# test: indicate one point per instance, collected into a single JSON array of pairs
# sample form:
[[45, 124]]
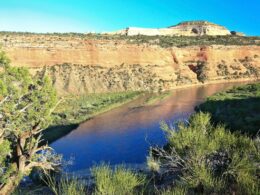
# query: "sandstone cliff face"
[[81, 66]]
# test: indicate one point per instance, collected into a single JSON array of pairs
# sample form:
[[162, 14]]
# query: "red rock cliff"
[[83, 66]]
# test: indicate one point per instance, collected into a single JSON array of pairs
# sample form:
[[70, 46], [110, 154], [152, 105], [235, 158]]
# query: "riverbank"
[[156, 97], [74, 110], [238, 108], [246, 80]]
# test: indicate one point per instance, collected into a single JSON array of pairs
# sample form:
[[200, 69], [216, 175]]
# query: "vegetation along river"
[[124, 135]]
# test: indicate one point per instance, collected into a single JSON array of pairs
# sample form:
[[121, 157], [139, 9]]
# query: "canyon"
[[86, 64]]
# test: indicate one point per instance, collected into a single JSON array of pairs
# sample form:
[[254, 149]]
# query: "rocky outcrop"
[[191, 28], [79, 65]]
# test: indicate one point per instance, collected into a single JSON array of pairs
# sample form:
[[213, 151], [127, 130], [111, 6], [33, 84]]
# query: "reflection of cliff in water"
[[181, 101], [124, 134]]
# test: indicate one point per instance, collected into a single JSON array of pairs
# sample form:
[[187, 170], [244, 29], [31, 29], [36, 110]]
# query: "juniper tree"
[[26, 104]]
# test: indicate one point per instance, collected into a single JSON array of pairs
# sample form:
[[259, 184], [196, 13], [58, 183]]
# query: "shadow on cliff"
[[240, 115]]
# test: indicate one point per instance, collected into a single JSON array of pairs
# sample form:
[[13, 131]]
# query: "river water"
[[124, 135]]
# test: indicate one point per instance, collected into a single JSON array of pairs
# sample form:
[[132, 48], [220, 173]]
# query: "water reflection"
[[123, 135]]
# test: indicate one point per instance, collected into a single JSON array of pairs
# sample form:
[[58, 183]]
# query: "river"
[[124, 135]]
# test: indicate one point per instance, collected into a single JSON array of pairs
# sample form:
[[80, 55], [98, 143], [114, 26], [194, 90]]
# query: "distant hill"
[[188, 28]]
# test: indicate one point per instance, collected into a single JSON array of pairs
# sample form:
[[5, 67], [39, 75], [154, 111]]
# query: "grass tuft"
[[117, 181]]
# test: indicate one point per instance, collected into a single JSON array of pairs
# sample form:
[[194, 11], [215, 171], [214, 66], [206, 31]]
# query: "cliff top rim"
[[196, 22]]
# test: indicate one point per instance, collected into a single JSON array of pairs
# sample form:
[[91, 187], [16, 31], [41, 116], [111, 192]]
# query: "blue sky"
[[110, 15]]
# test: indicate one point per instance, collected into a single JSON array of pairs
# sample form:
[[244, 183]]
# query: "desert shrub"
[[117, 181], [65, 185], [70, 187], [163, 41], [175, 191], [209, 159], [222, 70]]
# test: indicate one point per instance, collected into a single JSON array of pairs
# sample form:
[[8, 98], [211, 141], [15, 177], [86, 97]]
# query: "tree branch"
[[52, 110], [5, 99], [25, 108], [43, 165]]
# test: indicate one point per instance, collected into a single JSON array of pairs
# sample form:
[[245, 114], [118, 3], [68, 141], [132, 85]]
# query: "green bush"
[[210, 159], [119, 181]]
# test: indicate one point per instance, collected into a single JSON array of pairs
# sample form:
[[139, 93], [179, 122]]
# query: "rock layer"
[[81, 66]]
